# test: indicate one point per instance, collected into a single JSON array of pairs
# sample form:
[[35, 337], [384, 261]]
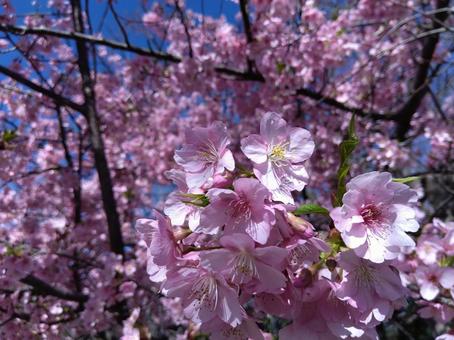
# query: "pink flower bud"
[[300, 225]]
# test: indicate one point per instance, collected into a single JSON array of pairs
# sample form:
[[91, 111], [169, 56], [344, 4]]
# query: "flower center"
[[244, 268], [205, 292], [371, 215], [364, 276], [433, 278], [208, 153], [239, 208], [278, 152]]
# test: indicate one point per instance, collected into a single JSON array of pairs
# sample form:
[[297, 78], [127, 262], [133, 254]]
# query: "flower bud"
[[300, 226], [222, 181]]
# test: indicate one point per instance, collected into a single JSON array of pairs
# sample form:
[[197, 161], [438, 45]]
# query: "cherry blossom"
[[375, 216], [244, 209], [205, 154], [277, 154]]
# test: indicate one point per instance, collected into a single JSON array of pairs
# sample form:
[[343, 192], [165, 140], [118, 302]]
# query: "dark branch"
[[81, 37], [43, 288], [40, 89], [240, 75], [185, 25], [421, 82], [338, 105], [120, 25], [246, 22], [101, 164], [76, 188]]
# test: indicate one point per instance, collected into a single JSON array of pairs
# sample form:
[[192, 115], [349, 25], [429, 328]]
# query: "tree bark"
[[102, 167]]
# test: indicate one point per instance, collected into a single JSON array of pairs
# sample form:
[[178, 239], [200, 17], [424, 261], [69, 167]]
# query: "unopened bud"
[[300, 225], [222, 181]]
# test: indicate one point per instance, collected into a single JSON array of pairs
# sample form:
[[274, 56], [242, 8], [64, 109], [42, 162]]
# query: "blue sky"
[[126, 8]]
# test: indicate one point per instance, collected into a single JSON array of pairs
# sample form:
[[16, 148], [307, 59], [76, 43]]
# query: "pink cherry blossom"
[[129, 332], [243, 209], [370, 287], [178, 206], [94, 106], [321, 315], [431, 279], [206, 295], [161, 245], [258, 268], [277, 154], [204, 154], [375, 216]]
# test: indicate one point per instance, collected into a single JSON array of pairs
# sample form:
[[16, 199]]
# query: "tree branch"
[[43, 288], [186, 29], [76, 188], [40, 89], [246, 22], [82, 37], [338, 105], [421, 84], [101, 164]]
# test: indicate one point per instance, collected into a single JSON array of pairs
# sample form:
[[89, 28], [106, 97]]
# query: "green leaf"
[[447, 261], [311, 208], [406, 179], [346, 148]]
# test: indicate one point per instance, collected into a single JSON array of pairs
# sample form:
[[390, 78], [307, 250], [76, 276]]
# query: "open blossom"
[[438, 311], [369, 287], [431, 279], [277, 154], [241, 210], [177, 207], [375, 216], [204, 154], [205, 295], [319, 314], [258, 268], [162, 248]]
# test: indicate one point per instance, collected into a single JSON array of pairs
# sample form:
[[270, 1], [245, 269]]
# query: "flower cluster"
[[428, 271], [232, 249]]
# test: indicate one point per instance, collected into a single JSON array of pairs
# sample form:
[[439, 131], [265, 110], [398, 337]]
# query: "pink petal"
[[272, 126], [237, 241], [255, 148], [429, 291], [447, 278]]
